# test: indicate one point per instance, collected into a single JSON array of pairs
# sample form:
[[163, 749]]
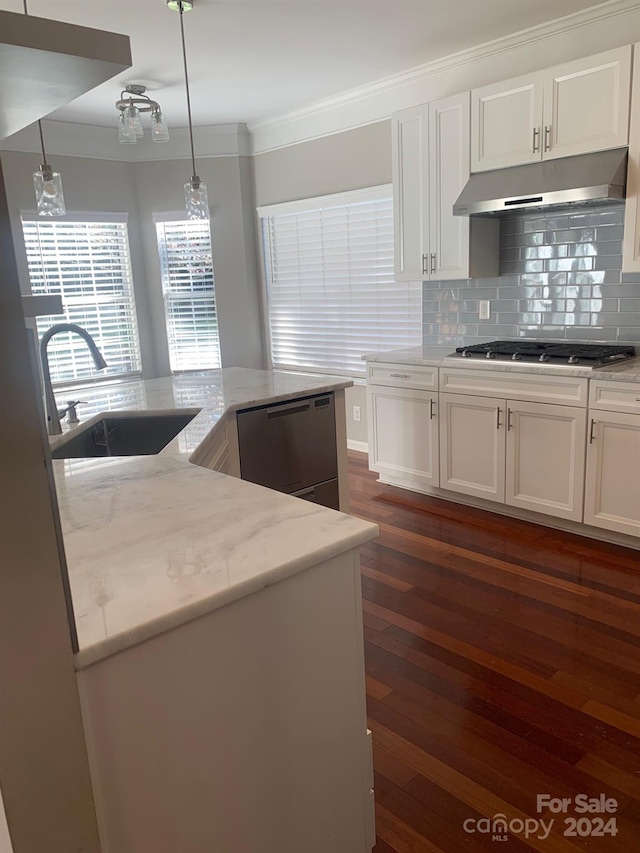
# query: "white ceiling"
[[249, 59]]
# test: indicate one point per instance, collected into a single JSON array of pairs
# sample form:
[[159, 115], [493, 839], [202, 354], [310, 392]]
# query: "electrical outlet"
[[484, 309], [356, 413]]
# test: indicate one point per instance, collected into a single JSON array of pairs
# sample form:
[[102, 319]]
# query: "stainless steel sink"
[[137, 435]]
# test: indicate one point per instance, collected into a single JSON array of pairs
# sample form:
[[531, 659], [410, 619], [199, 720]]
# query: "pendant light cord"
[[186, 82], [44, 154]]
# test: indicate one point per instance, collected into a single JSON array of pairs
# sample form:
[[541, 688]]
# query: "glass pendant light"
[[195, 190], [48, 187], [47, 182], [159, 129], [126, 134], [133, 120]]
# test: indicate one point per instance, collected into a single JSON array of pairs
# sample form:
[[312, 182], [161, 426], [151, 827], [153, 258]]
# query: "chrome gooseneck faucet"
[[51, 409]]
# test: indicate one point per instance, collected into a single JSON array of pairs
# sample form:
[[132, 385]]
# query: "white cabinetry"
[[472, 446], [527, 455], [612, 492], [506, 123], [430, 169], [574, 108], [403, 425], [545, 458]]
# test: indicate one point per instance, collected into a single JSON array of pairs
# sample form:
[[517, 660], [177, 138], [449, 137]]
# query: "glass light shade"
[[197, 199], [174, 5], [49, 195], [133, 120], [159, 129], [126, 134]]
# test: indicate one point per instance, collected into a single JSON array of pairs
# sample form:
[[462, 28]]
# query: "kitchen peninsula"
[[220, 659]]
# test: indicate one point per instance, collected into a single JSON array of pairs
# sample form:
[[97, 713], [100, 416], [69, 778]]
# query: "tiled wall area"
[[560, 278]]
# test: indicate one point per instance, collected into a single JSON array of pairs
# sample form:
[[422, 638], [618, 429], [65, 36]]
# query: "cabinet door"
[[506, 123], [449, 169], [411, 193], [472, 446], [586, 104], [545, 458], [403, 435], [612, 492]]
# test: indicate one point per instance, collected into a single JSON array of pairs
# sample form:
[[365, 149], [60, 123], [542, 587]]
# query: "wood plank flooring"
[[502, 662]]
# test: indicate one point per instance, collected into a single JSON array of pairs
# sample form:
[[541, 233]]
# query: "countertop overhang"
[[154, 542]]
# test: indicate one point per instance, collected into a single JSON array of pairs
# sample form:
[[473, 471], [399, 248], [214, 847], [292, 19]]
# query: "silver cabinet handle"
[[592, 437], [433, 262], [498, 413], [432, 409], [547, 137], [400, 375], [509, 424], [425, 262], [536, 140]]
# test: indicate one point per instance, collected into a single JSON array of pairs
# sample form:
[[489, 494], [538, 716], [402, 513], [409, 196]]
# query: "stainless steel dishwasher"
[[291, 447]]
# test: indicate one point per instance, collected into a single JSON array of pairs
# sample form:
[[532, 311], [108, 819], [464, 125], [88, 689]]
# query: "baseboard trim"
[[609, 536], [360, 446]]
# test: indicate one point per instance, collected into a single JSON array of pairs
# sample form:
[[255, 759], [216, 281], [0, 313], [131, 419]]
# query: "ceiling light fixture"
[[195, 190], [133, 101], [47, 182]]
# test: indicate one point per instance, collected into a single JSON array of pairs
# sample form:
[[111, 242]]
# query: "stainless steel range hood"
[[586, 179]]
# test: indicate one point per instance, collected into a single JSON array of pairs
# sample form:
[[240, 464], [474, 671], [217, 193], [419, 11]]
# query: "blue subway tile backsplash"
[[560, 278]]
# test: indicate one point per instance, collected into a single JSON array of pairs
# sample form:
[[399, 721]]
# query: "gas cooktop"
[[552, 353]]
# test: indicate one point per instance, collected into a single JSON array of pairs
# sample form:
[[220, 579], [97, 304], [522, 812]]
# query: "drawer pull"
[[400, 376]]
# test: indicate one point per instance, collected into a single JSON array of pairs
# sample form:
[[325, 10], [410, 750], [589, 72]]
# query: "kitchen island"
[[220, 659]]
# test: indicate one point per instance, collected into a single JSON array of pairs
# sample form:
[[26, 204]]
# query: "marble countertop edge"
[[125, 640]]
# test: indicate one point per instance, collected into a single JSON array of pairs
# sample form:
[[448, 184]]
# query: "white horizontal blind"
[[331, 291], [87, 263], [189, 294]]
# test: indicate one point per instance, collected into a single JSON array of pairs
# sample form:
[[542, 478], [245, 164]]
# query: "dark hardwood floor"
[[502, 663]]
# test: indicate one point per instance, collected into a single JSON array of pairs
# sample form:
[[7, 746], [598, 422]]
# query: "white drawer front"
[[614, 396], [515, 386], [402, 375]]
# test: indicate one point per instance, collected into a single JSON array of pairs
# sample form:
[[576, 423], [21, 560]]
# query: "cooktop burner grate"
[[567, 353]]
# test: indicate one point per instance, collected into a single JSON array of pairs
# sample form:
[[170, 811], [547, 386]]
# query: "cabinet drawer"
[[614, 396], [402, 375], [515, 386]]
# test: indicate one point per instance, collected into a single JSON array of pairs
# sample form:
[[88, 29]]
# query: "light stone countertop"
[[153, 542], [438, 356]]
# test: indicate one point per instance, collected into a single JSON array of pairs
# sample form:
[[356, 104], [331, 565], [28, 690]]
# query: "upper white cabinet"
[[573, 108], [506, 121], [431, 166], [410, 191]]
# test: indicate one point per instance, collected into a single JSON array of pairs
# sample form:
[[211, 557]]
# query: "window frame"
[[365, 194], [160, 218], [98, 217]]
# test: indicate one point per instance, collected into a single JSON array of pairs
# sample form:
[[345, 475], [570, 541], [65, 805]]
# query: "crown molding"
[[84, 140], [376, 101]]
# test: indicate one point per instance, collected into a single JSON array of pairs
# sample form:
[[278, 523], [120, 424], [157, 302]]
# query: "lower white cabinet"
[[545, 458], [612, 492], [403, 435], [527, 455], [472, 457]]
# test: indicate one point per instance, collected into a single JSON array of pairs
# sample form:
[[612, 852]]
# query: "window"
[[331, 291], [85, 261], [189, 294]]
